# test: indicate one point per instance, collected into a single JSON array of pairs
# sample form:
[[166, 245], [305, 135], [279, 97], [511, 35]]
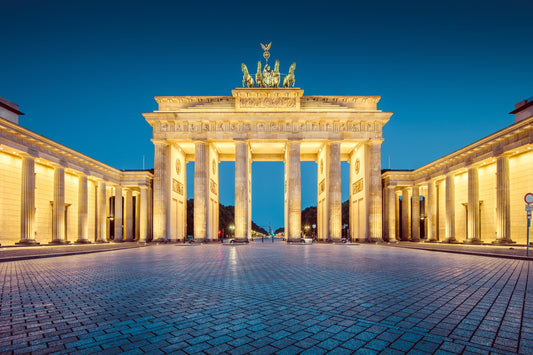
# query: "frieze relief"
[[177, 187], [268, 126], [357, 186], [213, 187]]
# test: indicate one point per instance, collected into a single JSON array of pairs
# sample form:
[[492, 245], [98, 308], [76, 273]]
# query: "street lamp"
[[231, 228], [306, 231]]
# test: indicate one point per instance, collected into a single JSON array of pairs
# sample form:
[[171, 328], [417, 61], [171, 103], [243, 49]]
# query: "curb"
[[42, 256], [466, 252]]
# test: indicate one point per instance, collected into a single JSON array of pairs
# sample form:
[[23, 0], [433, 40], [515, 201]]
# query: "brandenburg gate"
[[267, 123]]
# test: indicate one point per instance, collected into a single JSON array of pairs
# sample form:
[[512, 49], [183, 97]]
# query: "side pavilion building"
[[267, 124], [473, 195]]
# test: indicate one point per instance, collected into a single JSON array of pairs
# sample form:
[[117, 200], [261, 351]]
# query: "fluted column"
[[118, 215], [241, 191], [503, 201], [450, 208], [334, 192], [391, 211], [432, 212], [143, 214], [161, 192], [294, 192], [58, 218], [83, 210], [27, 210], [415, 214], [406, 215], [201, 191], [473, 206], [101, 213], [375, 203], [128, 216]]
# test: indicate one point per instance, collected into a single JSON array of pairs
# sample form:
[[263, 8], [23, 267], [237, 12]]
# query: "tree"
[[226, 218]]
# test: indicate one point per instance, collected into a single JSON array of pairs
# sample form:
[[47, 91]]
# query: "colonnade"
[[442, 207], [123, 216]]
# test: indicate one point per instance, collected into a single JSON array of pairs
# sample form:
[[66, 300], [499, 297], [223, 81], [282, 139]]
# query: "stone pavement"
[[266, 298]]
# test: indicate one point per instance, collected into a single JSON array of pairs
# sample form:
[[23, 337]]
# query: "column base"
[[415, 240], [393, 241], [432, 241], [160, 240], [374, 240], [451, 240], [473, 241], [101, 242], [504, 242], [240, 241], [83, 241], [295, 241], [59, 242], [27, 242]]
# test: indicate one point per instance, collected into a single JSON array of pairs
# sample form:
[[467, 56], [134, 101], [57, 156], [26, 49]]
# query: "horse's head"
[[276, 66], [293, 66]]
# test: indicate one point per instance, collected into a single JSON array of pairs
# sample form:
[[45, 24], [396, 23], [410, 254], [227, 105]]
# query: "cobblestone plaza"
[[266, 298]]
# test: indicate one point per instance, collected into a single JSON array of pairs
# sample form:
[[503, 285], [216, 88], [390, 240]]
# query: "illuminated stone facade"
[[473, 195], [52, 194], [258, 124]]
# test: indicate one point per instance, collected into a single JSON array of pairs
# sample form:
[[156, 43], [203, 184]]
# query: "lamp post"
[[306, 231], [231, 228]]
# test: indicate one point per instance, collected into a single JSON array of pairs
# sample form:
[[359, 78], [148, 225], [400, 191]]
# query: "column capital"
[[375, 141], [160, 142]]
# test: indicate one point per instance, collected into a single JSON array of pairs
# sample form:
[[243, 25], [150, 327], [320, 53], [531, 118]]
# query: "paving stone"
[[196, 302]]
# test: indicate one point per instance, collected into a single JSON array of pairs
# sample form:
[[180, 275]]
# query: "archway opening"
[[268, 196]]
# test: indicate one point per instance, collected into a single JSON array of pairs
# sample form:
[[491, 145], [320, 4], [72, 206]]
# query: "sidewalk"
[[13, 253], [518, 252]]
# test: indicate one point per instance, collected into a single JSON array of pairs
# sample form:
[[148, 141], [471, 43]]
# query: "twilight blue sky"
[[84, 71]]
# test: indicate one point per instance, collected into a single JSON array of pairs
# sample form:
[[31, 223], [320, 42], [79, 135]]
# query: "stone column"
[[118, 214], [450, 209], [241, 192], [503, 201], [375, 203], [161, 191], [294, 192], [101, 213], [27, 210], [391, 211], [406, 215], [128, 216], [58, 218], [473, 207], [432, 212], [334, 192], [83, 210], [143, 214], [137, 212], [201, 192], [415, 214]]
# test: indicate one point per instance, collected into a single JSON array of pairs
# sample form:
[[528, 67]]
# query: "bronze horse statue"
[[247, 80], [289, 79]]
